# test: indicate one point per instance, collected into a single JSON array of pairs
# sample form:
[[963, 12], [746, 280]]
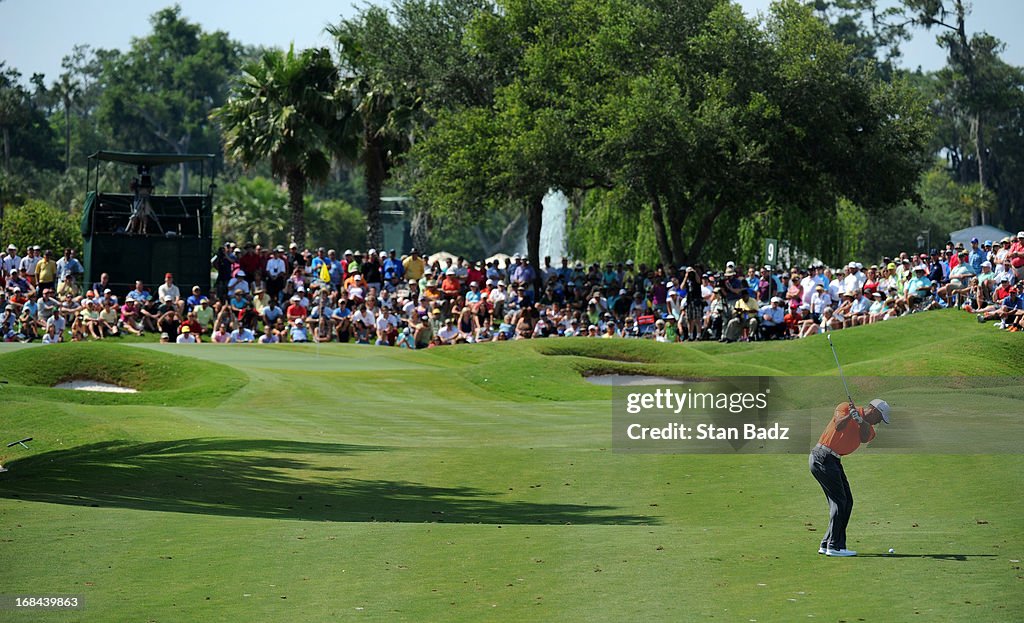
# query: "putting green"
[[479, 483]]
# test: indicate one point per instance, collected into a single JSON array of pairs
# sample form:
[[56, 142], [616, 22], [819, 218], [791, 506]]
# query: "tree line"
[[682, 132]]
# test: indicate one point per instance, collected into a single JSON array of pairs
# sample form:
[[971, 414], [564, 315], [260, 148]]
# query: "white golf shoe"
[[822, 550], [840, 552]]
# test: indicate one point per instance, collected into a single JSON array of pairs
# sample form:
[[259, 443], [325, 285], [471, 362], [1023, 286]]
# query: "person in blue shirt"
[[298, 332], [1012, 311], [241, 335], [392, 267], [976, 256], [193, 301], [919, 287]]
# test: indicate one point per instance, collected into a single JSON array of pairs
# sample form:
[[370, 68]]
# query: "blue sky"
[[38, 33]]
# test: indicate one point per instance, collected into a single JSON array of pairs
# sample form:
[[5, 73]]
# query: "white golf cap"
[[883, 408], [776, 299]]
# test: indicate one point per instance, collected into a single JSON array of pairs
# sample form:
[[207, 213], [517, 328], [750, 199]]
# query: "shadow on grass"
[[266, 479], [959, 557]]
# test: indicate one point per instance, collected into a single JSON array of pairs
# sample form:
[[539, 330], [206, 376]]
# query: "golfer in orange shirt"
[[849, 428]]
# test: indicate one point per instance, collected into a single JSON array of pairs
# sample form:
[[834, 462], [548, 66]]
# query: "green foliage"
[[608, 227], [37, 222], [283, 110], [27, 142], [256, 210], [158, 95], [692, 107], [251, 210], [334, 224]]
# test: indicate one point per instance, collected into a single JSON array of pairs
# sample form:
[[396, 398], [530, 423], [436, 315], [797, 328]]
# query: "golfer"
[[849, 428]]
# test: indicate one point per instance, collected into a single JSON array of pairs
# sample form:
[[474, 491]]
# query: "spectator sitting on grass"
[[186, 336], [773, 319], [241, 335], [109, 318], [878, 309], [168, 325], [139, 294], [271, 313], [222, 334], [918, 288], [298, 333], [271, 336], [204, 313], [68, 286], [131, 318], [860, 306], [51, 336], [744, 318], [194, 326], [17, 285], [91, 320], [1007, 310], [193, 300]]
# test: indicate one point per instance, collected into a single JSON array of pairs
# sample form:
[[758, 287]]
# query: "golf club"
[[841, 375], [20, 441]]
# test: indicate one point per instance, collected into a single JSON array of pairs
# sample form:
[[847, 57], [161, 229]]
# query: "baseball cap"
[[974, 241], [186, 329], [1020, 234], [168, 275], [776, 299], [883, 408]]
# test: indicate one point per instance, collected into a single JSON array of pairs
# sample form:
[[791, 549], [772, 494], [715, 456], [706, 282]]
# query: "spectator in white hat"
[[772, 316]]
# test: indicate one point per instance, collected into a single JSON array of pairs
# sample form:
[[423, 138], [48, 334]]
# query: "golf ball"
[[892, 551]]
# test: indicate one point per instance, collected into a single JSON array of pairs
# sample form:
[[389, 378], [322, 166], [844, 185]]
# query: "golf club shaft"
[[838, 365]]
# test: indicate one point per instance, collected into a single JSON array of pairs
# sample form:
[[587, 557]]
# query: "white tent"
[[981, 232], [441, 256], [500, 257]]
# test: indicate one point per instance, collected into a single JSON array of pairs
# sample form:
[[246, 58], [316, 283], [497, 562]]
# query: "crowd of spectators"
[[276, 295]]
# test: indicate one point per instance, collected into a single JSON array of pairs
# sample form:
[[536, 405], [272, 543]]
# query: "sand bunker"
[[89, 385], [631, 379]]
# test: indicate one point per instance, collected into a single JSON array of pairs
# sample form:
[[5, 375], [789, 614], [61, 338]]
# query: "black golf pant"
[[828, 471]]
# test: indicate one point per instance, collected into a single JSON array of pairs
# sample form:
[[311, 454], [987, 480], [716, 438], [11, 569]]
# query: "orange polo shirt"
[[844, 441]]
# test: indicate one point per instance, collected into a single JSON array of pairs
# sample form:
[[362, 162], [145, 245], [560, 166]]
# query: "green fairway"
[[478, 483]]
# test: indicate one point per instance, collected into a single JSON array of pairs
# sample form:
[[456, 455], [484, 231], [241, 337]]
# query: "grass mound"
[[158, 377]]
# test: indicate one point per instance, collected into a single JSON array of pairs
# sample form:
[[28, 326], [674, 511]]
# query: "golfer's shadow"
[[958, 557]]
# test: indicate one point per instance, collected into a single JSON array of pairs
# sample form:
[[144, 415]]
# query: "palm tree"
[[284, 110], [378, 114]]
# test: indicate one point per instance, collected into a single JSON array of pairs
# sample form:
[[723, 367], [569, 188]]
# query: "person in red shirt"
[[296, 310], [249, 262], [476, 273], [451, 286], [1016, 255], [848, 429]]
